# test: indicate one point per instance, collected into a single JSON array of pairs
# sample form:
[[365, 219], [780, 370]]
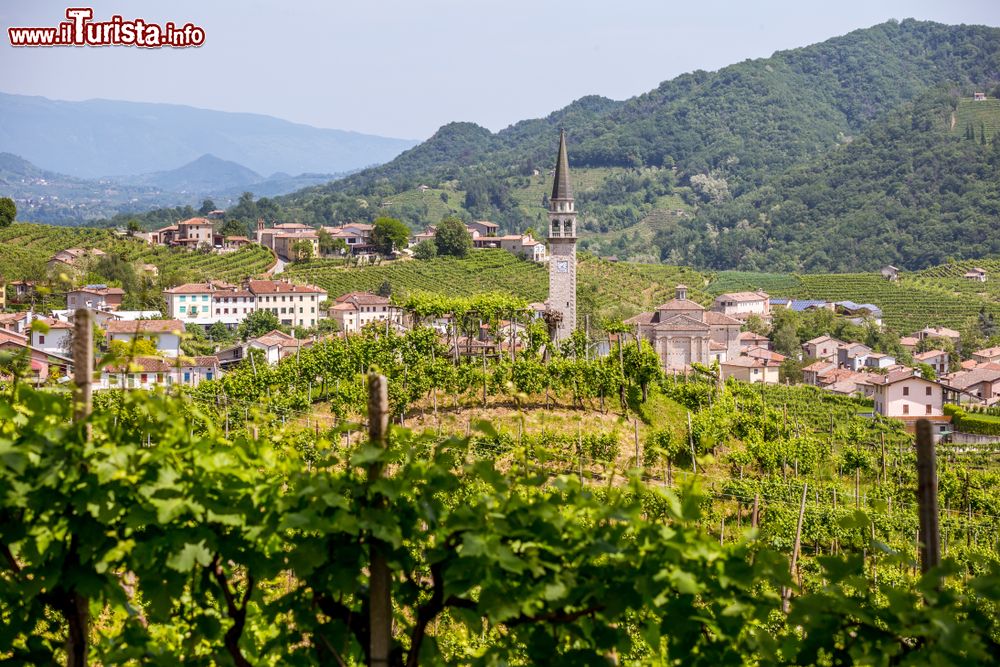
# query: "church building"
[[682, 332]]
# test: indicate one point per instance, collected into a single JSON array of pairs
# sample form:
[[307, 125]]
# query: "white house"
[[742, 304], [355, 310], [823, 347], [906, 396], [936, 359], [165, 334], [153, 372], [56, 340], [295, 305], [751, 369], [95, 297]]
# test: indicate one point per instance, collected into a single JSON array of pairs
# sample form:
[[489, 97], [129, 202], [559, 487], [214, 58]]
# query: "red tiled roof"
[[282, 287], [362, 299], [143, 326]]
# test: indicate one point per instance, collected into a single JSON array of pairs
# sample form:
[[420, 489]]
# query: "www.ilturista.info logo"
[[80, 30]]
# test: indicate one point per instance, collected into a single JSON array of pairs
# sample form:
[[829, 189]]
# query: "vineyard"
[[604, 289], [25, 249], [978, 115], [252, 517], [931, 297]]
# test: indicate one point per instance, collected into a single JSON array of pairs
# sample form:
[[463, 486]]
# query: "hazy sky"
[[404, 67]]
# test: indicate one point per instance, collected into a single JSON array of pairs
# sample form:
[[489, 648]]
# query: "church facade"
[[683, 332], [561, 304]]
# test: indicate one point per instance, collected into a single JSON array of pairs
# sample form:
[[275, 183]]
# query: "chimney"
[[682, 292]]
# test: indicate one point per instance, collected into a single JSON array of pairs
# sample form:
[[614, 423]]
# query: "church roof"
[[681, 323], [680, 304], [561, 188]]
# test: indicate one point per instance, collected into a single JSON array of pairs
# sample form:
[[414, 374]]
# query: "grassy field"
[[982, 115]]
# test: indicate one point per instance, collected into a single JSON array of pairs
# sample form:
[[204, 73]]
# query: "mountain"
[[745, 120], [688, 170], [206, 174], [909, 191], [99, 138], [50, 197]]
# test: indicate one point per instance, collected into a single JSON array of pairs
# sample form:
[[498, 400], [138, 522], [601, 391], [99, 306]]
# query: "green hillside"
[[25, 248], [932, 297], [980, 117]]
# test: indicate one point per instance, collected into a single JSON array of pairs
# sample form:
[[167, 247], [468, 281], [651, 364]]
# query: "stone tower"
[[562, 249]]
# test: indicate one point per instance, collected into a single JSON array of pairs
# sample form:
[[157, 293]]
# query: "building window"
[[906, 391], [41, 339], [143, 378], [928, 409], [187, 376], [906, 409], [183, 309], [928, 391], [183, 298], [204, 309]]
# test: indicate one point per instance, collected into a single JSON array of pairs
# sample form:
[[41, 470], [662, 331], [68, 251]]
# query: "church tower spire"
[[562, 248]]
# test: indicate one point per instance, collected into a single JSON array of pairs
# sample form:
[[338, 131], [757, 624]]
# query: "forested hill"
[[745, 121], [912, 191]]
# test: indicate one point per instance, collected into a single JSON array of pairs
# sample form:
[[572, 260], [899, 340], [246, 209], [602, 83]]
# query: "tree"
[[388, 234], [302, 250], [133, 227], [426, 249], [207, 207], [219, 333], [385, 289], [257, 323], [233, 227], [8, 211], [329, 245], [755, 323], [784, 332], [453, 238], [130, 349]]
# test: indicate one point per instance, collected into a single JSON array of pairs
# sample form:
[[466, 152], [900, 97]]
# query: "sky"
[[403, 68]]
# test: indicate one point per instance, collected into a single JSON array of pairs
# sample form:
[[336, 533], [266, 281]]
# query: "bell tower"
[[562, 249]]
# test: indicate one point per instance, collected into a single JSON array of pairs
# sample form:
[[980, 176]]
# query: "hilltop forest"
[[796, 161]]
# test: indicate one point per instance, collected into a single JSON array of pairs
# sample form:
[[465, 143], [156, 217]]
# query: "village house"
[[71, 259], [989, 355], [763, 353], [41, 365], [357, 236], [909, 343], [53, 337], [355, 310], [484, 227], [979, 97], [517, 244], [936, 359], [165, 334], [14, 322], [879, 361], [22, 291], [153, 372], [95, 297], [295, 305], [750, 369], [890, 272], [192, 302], [750, 339], [195, 232], [741, 305], [681, 331], [939, 332], [232, 304], [978, 385], [853, 356], [232, 243], [906, 396], [823, 347], [976, 274], [859, 313], [281, 237], [274, 346]]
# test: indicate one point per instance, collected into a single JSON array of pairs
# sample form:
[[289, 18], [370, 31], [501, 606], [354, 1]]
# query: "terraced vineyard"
[[776, 284], [25, 248], [605, 289], [981, 115]]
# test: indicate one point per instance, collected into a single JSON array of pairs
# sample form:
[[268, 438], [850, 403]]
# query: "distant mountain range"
[[102, 138], [47, 196]]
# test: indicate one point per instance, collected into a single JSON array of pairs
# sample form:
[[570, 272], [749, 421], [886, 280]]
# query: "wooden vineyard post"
[[927, 497], [77, 607], [635, 428], [380, 585], [787, 592], [694, 462], [755, 515]]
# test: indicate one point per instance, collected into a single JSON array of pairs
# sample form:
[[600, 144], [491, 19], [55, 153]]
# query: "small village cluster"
[[685, 335]]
